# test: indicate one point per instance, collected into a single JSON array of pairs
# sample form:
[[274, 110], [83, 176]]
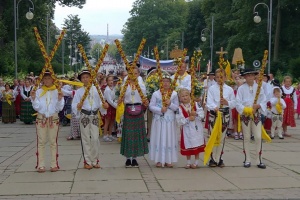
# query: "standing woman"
[[298, 100], [26, 105], [134, 137], [8, 105]]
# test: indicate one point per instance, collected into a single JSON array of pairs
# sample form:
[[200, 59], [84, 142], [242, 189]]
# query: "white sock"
[[188, 162], [196, 162]]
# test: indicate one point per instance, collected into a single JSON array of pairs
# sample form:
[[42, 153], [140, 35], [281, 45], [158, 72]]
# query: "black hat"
[[249, 71], [150, 70], [137, 64], [116, 79], [211, 73], [47, 72], [268, 77], [275, 82], [84, 71]]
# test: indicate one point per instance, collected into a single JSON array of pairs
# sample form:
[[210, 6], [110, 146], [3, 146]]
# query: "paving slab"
[[199, 184], [250, 183], [284, 158], [35, 188], [108, 174], [110, 186], [34, 177]]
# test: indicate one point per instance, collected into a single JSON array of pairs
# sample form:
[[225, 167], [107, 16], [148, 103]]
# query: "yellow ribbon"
[[278, 107], [100, 123], [215, 137], [120, 112], [7, 98], [46, 89], [183, 76], [239, 128], [75, 83], [248, 112]]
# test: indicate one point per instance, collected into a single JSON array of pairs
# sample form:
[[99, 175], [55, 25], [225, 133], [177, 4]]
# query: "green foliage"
[[96, 51]]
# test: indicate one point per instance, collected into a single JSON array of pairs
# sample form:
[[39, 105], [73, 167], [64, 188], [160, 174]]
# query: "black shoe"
[[272, 137], [252, 137], [148, 140], [134, 163], [247, 164], [281, 138], [221, 164], [212, 163], [262, 166], [128, 163]]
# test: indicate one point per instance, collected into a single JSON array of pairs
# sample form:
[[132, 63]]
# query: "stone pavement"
[[18, 179]]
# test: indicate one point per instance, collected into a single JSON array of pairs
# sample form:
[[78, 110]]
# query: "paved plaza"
[[19, 180]]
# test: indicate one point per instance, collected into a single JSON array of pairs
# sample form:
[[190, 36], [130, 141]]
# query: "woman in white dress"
[[163, 141]]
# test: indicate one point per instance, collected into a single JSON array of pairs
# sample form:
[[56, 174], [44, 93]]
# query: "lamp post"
[[211, 39], [70, 47], [152, 53], [257, 19], [29, 16], [76, 50]]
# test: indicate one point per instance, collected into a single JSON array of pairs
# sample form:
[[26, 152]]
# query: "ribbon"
[[7, 98], [214, 139], [120, 112], [75, 83], [46, 89]]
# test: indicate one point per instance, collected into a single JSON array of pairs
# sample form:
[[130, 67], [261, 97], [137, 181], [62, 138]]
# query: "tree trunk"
[[277, 33]]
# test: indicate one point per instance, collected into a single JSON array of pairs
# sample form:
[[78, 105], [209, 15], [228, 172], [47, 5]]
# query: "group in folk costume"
[[26, 106]]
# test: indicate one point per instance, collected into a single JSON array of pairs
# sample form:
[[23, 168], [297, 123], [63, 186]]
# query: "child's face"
[[85, 79], [166, 83], [288, 82], [48, 81], [185, 97], [110, 81], [277, 93]]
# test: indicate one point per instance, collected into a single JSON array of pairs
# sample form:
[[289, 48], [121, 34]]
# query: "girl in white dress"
[[163, 141], [192, 140]]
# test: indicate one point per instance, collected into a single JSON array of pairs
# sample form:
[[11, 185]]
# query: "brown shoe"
[[96, 166], [87, 166], [41, 169], [53, 169]]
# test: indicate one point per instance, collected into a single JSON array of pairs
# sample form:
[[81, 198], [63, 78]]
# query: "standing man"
[[251, 115], [47, 101]]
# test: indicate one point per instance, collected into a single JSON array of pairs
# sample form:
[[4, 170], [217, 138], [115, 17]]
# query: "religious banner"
[[166, 65]]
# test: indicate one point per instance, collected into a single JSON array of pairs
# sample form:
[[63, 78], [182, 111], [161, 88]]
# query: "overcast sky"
[[96, 14]]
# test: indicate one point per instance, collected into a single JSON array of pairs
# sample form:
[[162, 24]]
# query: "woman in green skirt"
[[26, 105], [134, 138], [8, 105]]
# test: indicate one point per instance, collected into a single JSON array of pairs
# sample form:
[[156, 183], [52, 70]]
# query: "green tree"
[[96, 51]]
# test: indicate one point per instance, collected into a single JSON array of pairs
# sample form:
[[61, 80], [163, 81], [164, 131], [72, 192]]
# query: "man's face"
[[249, 78], [99, 76], [183, 68], [48, 81], [85, 79], [271, 76], [16, 82]]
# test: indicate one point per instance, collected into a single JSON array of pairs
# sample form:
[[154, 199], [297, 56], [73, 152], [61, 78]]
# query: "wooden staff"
[[159, 72], [193, 80], [261, 74], [131, 76], [48, 58], [221, 61], [93, 72], [173, 85]]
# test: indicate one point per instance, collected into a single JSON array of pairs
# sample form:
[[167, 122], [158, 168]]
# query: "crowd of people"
[[176, 121]]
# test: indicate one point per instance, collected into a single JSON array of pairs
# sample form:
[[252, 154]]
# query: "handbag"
[[134, 109]]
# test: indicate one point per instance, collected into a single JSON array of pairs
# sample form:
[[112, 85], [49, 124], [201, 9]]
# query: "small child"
[[290, 98], [109, 95], [190, 117], [278, 105]]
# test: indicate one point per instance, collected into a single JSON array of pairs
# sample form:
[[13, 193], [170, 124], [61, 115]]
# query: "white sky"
[[96, 14]]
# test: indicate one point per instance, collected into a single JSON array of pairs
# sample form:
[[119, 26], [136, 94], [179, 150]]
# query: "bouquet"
[[198, 88], [152, 85]]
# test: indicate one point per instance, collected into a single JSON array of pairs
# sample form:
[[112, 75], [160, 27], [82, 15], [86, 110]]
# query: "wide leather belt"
[[91, 112]]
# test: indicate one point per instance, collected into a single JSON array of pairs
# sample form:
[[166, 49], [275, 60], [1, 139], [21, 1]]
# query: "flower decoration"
[[198, 88], [152, 85]]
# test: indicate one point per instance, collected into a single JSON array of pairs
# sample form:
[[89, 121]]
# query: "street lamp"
[[257, 19], [152, 53], [29, 16], [211, 39], [70, 47]]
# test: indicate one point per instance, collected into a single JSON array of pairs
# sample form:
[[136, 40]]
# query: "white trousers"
[[47, 128], [276, 123], [217, 151], [252, 126], [89, 128]]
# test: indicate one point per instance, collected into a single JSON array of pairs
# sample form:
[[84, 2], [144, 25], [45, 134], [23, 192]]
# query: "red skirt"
[[191, 151], [234, 115], [288, 115], [268, 121], [111, 113], [206, 121]]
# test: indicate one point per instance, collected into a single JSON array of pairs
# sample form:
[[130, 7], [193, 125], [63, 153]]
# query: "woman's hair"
[[6, 85]]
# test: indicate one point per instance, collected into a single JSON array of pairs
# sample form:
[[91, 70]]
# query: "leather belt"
[[133, 104], [91, 112]]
